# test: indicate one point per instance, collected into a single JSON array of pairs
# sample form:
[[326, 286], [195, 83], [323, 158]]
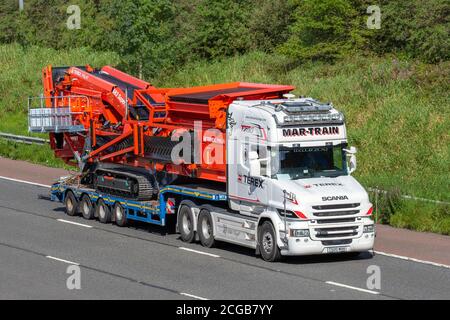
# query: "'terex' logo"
[[256, 182]]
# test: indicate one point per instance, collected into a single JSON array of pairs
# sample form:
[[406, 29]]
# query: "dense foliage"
[[155, 35]]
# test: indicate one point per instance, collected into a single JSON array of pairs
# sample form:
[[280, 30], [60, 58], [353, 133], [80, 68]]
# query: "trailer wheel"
[[71, 203], [103, 212], [86, 207], [186, 224], [268, 242], [119, 215], [205, 228]]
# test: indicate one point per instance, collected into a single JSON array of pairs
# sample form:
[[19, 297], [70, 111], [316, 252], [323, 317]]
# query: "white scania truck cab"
[[289, 187]]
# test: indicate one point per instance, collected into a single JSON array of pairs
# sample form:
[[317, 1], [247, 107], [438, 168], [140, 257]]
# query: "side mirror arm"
[[352, 162]]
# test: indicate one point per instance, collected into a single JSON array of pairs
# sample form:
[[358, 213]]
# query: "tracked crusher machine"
[[119, 129]]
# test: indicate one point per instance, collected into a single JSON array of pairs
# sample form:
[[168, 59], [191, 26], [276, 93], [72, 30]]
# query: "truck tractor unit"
[[243, 163]]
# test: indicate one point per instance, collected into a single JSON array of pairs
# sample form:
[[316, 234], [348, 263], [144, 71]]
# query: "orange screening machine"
[[105, 116]]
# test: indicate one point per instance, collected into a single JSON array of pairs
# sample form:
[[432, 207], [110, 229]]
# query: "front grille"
[[336, 229], [335, 213], [336, 242], [340, 235], [336, 206], [336, 232], [335, 222], [342, 220]]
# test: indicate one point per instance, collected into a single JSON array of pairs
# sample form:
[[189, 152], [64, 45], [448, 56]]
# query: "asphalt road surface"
[[38, 243]]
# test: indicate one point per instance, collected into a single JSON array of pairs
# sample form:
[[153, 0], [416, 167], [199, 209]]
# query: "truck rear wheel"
[[186, 224], [71, 203], [120, 216], [86, 207], [103, 212], [205, 228], [268, 242]]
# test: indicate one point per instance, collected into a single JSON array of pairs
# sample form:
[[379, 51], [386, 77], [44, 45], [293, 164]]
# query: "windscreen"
[[307, 162]]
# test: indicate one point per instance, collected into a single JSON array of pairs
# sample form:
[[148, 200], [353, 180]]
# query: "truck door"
[[248, 137]]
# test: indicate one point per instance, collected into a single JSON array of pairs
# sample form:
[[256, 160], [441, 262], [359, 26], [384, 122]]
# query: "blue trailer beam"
[[143, 211]]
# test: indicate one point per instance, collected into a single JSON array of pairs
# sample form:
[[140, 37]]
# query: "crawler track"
[[124, 183]]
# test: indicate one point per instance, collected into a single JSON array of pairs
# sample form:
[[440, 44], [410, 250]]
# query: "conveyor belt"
[[205, 96], [137, 111], [124, 86]]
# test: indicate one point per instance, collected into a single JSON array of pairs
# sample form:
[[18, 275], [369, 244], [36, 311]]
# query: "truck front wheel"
[[186, 224], [268, 242]]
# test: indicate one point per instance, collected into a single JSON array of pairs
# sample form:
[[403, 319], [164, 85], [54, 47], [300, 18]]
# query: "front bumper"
[[306, 246], [313, 246]]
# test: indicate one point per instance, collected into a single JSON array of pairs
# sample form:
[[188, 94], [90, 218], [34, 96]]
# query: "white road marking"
[[412, 259], [200, 252], [351, 287], [192, 296], [75, 223], [27, 182], [62, 260]]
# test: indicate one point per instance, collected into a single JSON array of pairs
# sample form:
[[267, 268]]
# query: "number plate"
[[337, 249]]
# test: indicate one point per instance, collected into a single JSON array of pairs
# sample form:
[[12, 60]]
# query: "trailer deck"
[[153, 211]]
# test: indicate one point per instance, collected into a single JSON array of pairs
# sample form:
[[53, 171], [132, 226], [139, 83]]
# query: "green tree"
[[324, 29], [215, 28], [36, 24], [44, 23], [419, 28], [9, 14], [95, 24], [269, 23], [139, 31]]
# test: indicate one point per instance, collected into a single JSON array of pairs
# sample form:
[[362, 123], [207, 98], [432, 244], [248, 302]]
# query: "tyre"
[[120, 216], [205, 228], [186, 224], [268, 242], [86, 207], [102, 211], [71, 203]]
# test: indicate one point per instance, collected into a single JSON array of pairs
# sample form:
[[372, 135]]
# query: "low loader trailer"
[[244, 163]]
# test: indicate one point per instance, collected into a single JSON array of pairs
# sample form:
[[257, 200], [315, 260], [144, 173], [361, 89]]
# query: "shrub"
[[420, 28], [324, 30], [215, 28], [386, 204], [269, 23]]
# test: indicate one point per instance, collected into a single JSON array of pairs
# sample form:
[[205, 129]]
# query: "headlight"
[[289, 214], [369, 228], [299, 233], [292, 214]]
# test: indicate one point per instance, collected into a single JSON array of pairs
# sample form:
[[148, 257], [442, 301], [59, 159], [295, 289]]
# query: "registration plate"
[[337, 249]]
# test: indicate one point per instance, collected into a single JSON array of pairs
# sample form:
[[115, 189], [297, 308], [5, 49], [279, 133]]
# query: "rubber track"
[[145, 188]]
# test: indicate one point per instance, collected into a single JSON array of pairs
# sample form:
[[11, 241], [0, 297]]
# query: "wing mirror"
[[352, 161]]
